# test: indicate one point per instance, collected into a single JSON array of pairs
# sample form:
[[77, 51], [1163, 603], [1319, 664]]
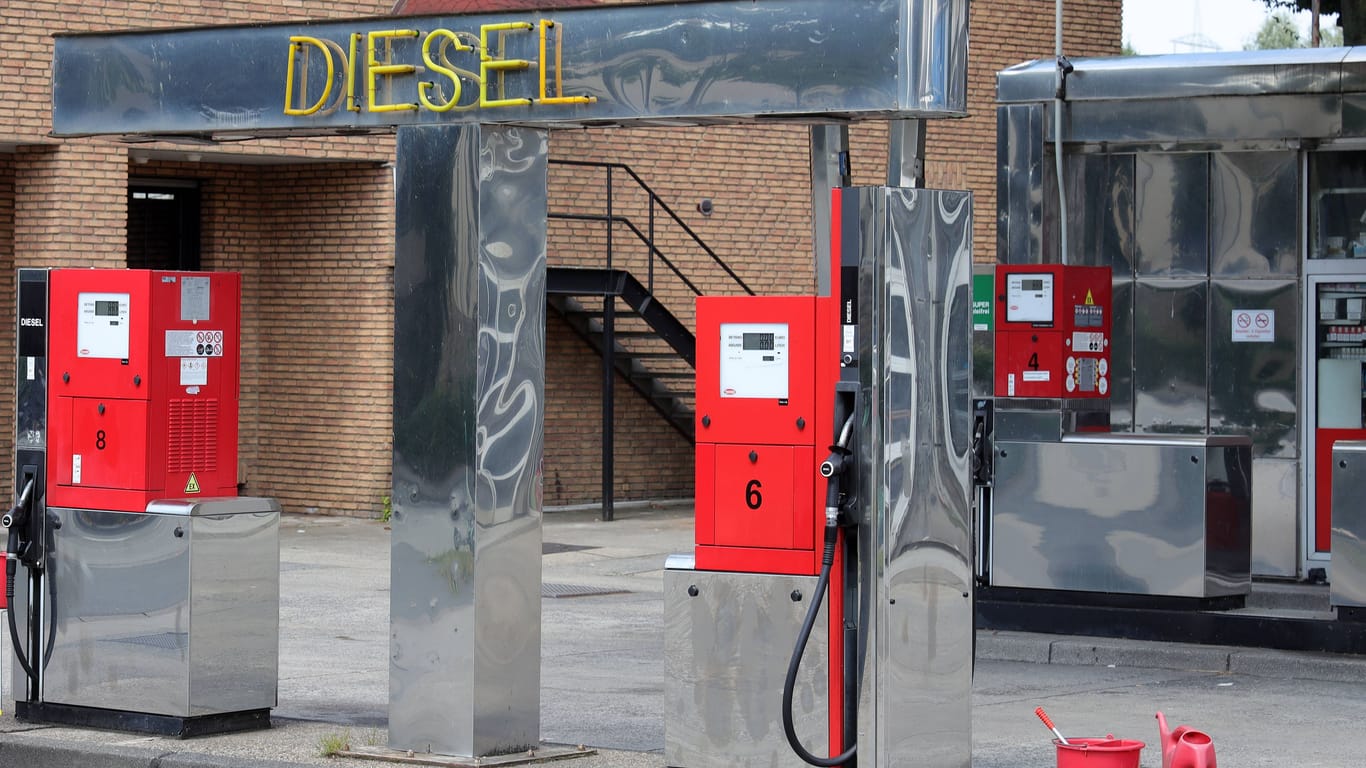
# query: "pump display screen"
[[754, 360], [102, 325], [759, 341], [1029, 298]]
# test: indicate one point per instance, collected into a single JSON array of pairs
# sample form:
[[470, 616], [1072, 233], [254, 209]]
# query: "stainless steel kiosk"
[[1225, 192]]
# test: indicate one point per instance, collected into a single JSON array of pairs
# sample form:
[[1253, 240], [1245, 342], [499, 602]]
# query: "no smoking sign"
[[1254, 325]]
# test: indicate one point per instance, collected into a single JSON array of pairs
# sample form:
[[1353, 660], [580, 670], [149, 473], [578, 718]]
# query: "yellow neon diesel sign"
[[396, 70]]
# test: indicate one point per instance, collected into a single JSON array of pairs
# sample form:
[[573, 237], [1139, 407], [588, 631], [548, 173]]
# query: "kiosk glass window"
[[1337, 205]]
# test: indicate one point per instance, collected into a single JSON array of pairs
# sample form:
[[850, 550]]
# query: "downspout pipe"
[[1059, 95]]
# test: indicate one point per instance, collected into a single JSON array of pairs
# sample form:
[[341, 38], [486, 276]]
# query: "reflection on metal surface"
[[1100, 192], [1231, 119], [166, 614], [915, 251], [691, 62], [1254, 221], [1122, 356], [1349, 524], [1171, 214], [726, 650], [1182, 76], [1275, 522], [469, 337], [1171, 393], [1139, 514], [1019, 171], [1253, 386]]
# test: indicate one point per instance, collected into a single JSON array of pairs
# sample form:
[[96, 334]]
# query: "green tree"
[[1127, 50], [1351, 15], [1278, 31]]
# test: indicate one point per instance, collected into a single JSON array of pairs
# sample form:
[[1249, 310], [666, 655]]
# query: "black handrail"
[[648, 240]]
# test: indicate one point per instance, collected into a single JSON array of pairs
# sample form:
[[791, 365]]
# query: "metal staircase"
[[622, 318], [651, 348]]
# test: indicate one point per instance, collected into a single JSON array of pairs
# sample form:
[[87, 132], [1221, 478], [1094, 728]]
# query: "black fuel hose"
[[832, 469], [790, 682], [11, 567], [14, 521]]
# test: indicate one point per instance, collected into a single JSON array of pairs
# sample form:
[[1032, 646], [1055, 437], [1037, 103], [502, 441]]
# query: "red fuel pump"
[[768, 425], [125, 445], [144, 387], [1052, 331]]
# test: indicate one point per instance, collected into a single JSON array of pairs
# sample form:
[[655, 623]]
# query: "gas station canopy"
[[683, 63]]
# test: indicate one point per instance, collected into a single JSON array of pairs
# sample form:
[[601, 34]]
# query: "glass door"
[[1336, 350]]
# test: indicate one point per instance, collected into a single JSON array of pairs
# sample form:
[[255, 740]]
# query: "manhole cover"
[[577, 590]]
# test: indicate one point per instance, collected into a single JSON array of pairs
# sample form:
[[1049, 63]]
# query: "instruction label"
[[194, 371]]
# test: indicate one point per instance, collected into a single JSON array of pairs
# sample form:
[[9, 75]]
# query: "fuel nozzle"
[[18, 514], [834, 469]]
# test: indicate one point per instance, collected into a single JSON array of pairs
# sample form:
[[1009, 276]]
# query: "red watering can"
[[1185, 747]]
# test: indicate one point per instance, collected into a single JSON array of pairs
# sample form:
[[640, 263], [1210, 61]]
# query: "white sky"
[[1156, 26]]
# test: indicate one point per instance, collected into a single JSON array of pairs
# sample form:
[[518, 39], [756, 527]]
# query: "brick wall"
[[326, 361], [27, 27], [6, 337]]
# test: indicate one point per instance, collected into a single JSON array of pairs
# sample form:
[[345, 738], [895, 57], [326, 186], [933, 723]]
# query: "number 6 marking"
[[753, 499]]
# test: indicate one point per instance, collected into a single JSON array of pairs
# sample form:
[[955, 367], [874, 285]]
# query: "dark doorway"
[[163, 225]]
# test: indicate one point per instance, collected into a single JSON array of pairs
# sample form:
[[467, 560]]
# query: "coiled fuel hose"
[[832, 469]]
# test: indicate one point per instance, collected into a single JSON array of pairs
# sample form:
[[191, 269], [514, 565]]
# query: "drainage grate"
[[577, 590], [555, 548], [166, 641]]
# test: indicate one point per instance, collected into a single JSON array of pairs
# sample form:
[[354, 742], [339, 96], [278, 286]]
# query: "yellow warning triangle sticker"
[[1089, 300], [193, 485]]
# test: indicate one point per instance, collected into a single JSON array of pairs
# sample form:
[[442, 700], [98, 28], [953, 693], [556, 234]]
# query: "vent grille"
[[193, 439]]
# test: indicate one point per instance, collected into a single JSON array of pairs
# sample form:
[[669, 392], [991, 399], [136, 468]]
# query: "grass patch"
[[330, 744]]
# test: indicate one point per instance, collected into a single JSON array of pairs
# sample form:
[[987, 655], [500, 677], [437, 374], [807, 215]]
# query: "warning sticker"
[[193, 485], [194, 371], [1034, 376], [194, 343]]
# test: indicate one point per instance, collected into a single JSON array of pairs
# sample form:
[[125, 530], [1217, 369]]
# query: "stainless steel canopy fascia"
[[703, 62], [1241, 73]]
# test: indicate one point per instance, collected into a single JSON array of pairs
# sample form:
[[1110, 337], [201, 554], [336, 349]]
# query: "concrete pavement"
[[602, 670]]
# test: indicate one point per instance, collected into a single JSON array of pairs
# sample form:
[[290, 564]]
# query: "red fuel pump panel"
[[1053, 327], [143, 387], [759, 422]]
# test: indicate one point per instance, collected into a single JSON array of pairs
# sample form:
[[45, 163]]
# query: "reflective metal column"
[[469, 359], [915, 251]]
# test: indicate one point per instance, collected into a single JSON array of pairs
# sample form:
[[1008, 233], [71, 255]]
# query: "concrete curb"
[[1098, 651], [55, 753]]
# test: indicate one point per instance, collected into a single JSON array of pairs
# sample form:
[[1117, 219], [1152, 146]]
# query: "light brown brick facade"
[[309, 223]]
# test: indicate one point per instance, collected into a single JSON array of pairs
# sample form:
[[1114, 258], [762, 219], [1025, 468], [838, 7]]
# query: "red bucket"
[[1108, 752]]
